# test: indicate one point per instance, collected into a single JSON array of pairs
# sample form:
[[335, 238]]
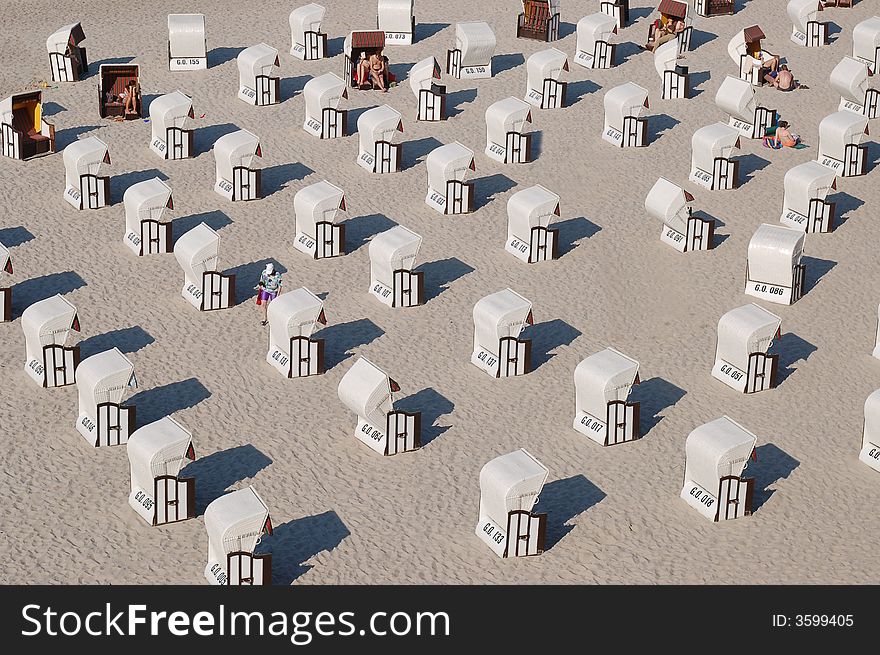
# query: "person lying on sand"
[[782, 138]]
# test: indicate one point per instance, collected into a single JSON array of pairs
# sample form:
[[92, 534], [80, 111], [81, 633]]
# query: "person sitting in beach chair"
[[664, 32], [373, 71]]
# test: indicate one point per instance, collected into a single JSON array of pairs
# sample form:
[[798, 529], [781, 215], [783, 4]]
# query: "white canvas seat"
[[168, 114], [84, 187], [745, 51], [308, 42], [675, 77], [712, 163], [236, 178], [539, 20], [392, 258], [870, 452], [474, 47], [50, 359], [101, 381], [67, 58], [671, 204], [850, 78], [506, 139], [448, 166], [292, 317], [807, 30], [804, 206], [499, 319], [156, 454], [738, 99], [23, 131], [205, 288], [745, 335], [529, 235], [602, 384], [256, 84], [5, 292], [543, 88], [509, 489], [377, 130], [368, 391], [318, 232], [773, 270], [595, 41], [187, 45], [840, 136], [624, 126], [617, 9], [145, 204], [397, 20], [866, 42], [717, 454], [430, 95], [235, 523], [322, 96]]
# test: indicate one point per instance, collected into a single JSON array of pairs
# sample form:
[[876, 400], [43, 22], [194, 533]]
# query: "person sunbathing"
[[782, 137], [373, 71], [664, 33], [784, 80]]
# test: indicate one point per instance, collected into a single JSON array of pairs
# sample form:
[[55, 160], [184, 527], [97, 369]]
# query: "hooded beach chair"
[[671, 11], [292, 317], [543, 88], [236, 179], [807, 29], [322, 95], [318, 232], [851, 79], [235, 523], [168, 115], [748, 56], [716, 454], [870, 452], [256, 84], [738, 99], [84, 187], [509, 489], [5, 292], [714, 7], [675, 76], [23, 131], [430, 95], [101, 382], [67, 58], [671, 204], [499, 319], [187, 45], [529, 235], [804, 204], [595, 47], [205, 288], [156, 454], [397, 19], [712, 163], [506, 139], [145, 204], [114, 80], [774, 271], [624, 125], [50, 359], [742, 359], [840, 147], [377, 130], [368, 391], [866, 42], [358, 45], [392, 258], [308, 42], [448, 166], [471, 58], [602, 384], [539, 20]]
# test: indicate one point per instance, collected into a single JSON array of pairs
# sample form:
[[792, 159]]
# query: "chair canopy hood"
[[802, 12], [628, 99], [395, 15], [773, 251], [670, 203], [840, 129], [260, 59], [84, 157], [850, 79], [186, 35], [711, 141], [103, 378], [866, 39], [423, 74], [48, 323], [507, 115], [501, 314], [159, 448], [737, 98], [509, 483], [806, 182], [593, 28], [304, 19], [235, 522], [717, 449], [378, 124], [198, 251], [528, 208], [233, 150], [58, 40], [366, 390], [294, 314], [323, 92], [449, 162], [393, 250], [605, 376], [476, 40], [318, 202], [746, 330], [169, 110]]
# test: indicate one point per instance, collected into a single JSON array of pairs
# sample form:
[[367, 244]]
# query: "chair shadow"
[[432, 405], [353, 115], [95, 66], [572, 231], [817, 269], [834, 31], [400, 71], [219, 56], [654, 396], [68, 135], [564, 500], [39, 288], [699, 37], [335, 46], [276, 178], [415, 151], [718, 238], [626, 50], [204, 137], [579, 89], [216, 472], [455, 99], [159, 402], [289, 87], [792, 349], [51, 109], [486, 188], [548, 336], [636, 13], [441, 273], [247, 276], [697, 79], [749, 164], [339, 339], [146, 99], [660, 124], [216, 220], [125, 180], [128, 340], [427, 30], [537, 144], [873, 154], [12, 237], [501, 63], [845, 204], [565, 29], [293, 543], [773, 465], [360, 229]]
